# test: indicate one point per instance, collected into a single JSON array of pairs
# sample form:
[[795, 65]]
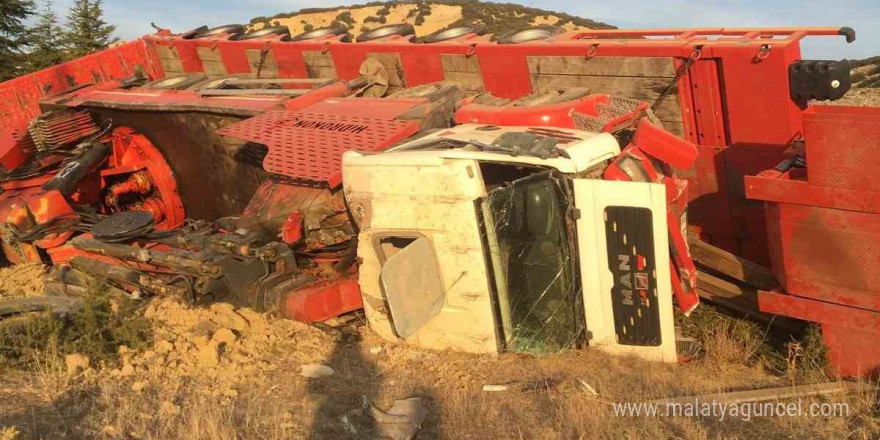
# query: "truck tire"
[[320, 33], [531, 33], [264, 32], [386, 31], [234, 29], [454, 32], [192, 32]]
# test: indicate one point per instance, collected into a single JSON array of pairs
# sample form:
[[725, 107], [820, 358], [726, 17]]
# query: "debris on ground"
[[490, 387], [316, 371], [220, 347], [760, 395], [588, 388], [402, 421]]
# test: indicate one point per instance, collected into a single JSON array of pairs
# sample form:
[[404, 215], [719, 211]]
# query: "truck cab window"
[[529, 250]]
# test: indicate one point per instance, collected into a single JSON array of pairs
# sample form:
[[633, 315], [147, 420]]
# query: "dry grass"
[[545, 398]]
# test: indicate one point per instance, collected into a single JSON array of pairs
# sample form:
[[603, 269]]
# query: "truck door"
[[623, 254]]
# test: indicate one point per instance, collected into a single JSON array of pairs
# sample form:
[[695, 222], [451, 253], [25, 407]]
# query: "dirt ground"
[[228, 373], [21, 280]]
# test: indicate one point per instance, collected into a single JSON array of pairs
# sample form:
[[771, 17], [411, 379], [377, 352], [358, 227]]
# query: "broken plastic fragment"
[[402, 421], [316, 371]]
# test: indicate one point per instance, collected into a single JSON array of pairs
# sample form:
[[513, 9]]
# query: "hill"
[[425, 16], [865, 73]]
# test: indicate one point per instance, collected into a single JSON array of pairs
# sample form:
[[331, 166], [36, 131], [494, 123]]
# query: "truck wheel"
[[260, 33], [179, 82], [320, 33], [220, 30], [192, 32], [386, 31], [531, 33], [454, 32]]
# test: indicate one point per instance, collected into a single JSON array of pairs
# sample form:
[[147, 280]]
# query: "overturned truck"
[[544, 191]]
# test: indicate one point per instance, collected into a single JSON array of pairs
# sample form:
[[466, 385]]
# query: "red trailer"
[[782, 210]]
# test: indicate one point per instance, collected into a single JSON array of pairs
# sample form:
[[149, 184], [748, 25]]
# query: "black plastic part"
[[386, 31], [818, 79], [453, 32], [264, 32], [530, 33], [320, 33], [122, 226], [193, 32], [69, 176], [848, 32], [220, 30], [630, 242]]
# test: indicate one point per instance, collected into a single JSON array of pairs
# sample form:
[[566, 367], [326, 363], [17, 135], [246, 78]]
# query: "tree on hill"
[[45, 40], [13, 36], [87, 31]]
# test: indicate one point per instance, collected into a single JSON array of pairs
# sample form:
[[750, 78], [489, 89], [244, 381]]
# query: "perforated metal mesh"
[[308, 144], [617, 106]]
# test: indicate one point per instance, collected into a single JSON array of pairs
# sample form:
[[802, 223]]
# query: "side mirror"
[[541, 208]]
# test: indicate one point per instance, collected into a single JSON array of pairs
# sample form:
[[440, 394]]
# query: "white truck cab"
[[484, 239]]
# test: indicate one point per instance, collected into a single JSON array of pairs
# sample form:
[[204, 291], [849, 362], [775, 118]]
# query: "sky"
[[133, 18]]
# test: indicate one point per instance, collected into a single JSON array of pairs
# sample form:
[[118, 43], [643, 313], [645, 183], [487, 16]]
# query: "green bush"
[[97, 331]]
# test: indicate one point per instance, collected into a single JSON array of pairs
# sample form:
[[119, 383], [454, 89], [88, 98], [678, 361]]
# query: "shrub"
[[97, 331]]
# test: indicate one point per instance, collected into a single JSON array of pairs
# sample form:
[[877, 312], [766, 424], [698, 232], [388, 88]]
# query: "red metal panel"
[[308, 144], [504, 75], [842, 146], [27, 96], [137, 56], [322, 300], [747, 216], [234, 57], [420, 68], [829, 246], [784, 190], [852, 350], [187, 50], [759, 109], [111, 65], [707, 111], [851, 334], [290, 61]]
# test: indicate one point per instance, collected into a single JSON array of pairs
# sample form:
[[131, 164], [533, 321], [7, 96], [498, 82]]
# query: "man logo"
[[625, 280]]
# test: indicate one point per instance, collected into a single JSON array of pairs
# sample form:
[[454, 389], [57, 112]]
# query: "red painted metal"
[[291, 231], [15, 147], [322, 300], [133, 153], [849, 333], [664, 145], [557, 115], [308, 144], [720, 105], [652, 151], [735, 105], [19, 98], [823, 229]]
